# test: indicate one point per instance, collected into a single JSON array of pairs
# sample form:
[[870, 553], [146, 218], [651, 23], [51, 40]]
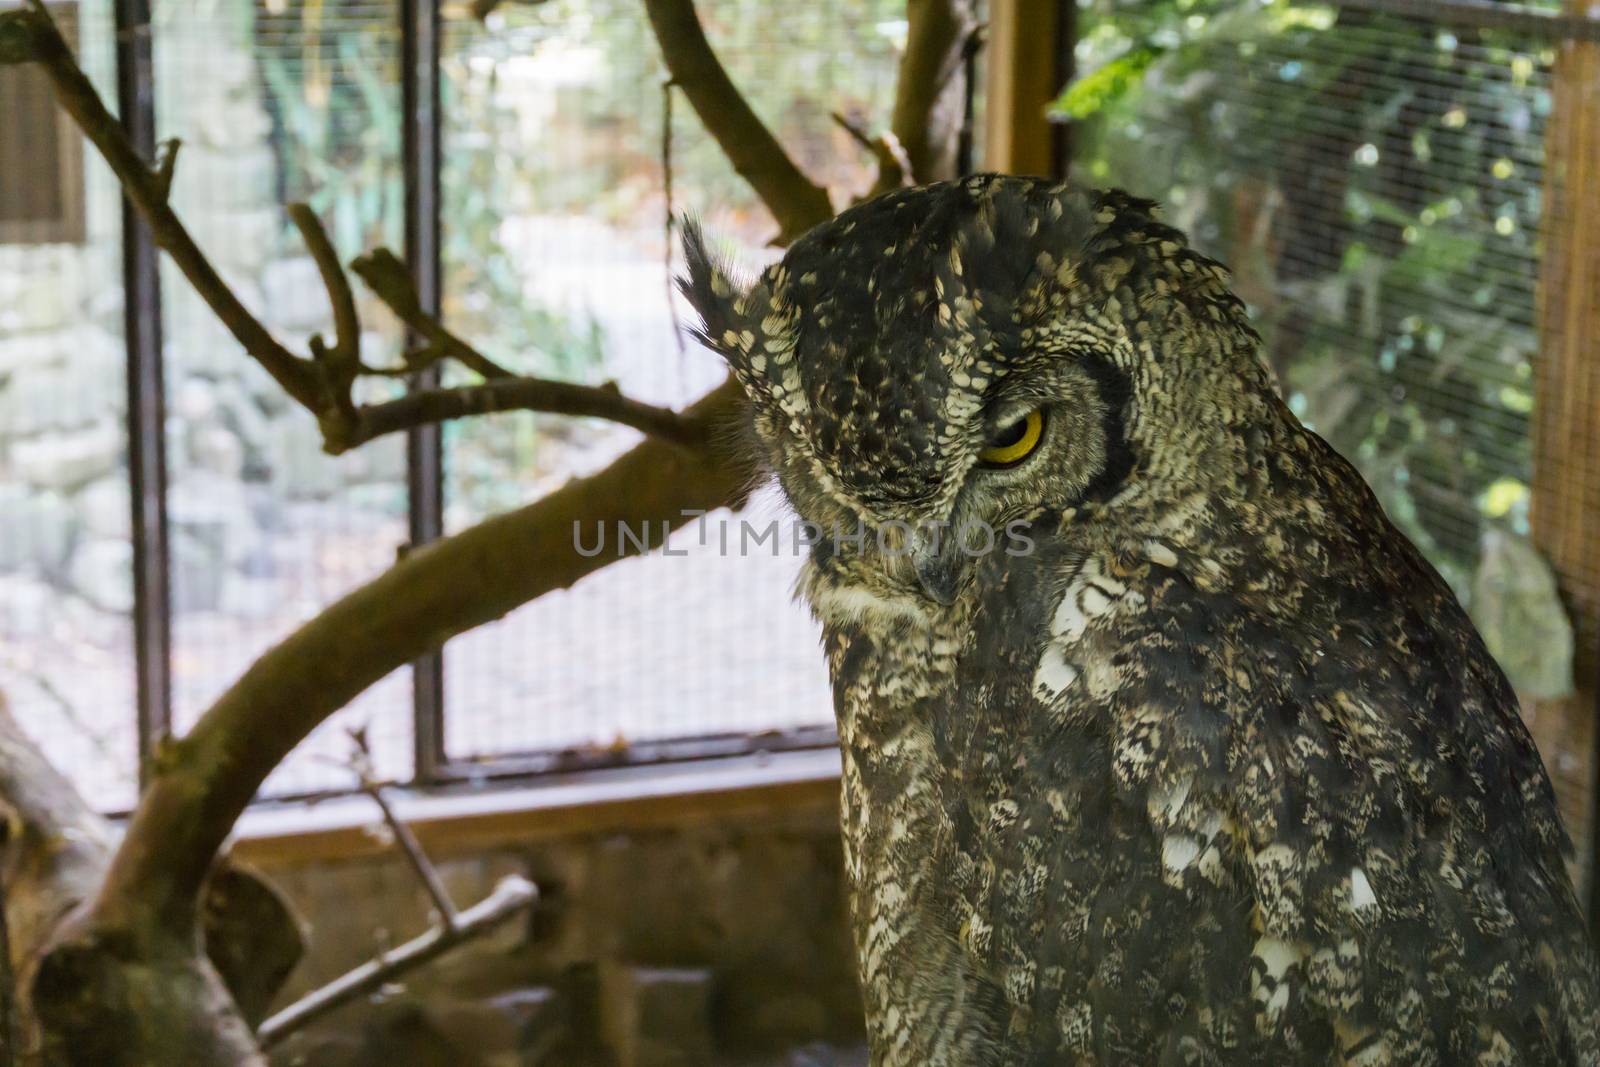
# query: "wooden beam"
[[1565, 507], [1028, 55]]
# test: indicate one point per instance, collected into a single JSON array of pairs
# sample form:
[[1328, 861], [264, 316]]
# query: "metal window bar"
[[147, 471], [419, 50]]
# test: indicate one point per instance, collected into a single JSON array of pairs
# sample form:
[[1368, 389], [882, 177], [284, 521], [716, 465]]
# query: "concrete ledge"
[[592, 802]]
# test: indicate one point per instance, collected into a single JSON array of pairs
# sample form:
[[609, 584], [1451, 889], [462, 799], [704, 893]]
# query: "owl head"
[[953, 359]]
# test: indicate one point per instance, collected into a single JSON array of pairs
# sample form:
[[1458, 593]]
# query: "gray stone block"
[[69, 460]]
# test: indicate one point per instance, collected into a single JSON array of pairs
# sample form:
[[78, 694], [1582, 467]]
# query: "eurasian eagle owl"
[[1161, 745]]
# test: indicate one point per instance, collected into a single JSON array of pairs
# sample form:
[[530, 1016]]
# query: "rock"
[[301, 470], [106, 507], [41, 287], [198, 574], [37, 530], [29, 607], [194, 400], [216, 450], [242, 177], [240, 413], [235, 237], [69, 460], [294, 294], [102, 573], [63, 380]]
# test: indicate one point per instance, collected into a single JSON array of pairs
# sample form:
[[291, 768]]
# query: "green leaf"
[[1100, 88]]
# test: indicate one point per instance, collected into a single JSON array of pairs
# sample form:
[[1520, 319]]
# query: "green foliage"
[[1375, 184], [337, 130], [1105, 85]]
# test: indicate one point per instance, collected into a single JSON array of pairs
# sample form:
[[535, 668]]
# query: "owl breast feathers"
[[1161, 745]]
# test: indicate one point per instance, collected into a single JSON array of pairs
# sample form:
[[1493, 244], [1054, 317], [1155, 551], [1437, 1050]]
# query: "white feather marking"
[[1054, 675], [1165, 804], [852, 603], [1069, 622], [1160, 554], [1361, 894], [1178, 851], [1276, 954]]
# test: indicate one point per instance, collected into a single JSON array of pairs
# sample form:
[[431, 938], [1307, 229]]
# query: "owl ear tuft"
[[711, 291]]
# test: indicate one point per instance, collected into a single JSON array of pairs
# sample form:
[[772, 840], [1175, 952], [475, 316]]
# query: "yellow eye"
[[1012, 444]]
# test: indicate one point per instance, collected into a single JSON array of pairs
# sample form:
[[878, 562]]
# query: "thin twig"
[[670, 221], [345, 355], [427, 874], [29, 35], [514, 894], [390, 281]]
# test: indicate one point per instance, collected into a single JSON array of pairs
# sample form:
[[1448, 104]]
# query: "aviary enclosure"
[[286, 516]]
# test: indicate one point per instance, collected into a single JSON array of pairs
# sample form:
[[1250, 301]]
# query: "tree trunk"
[[75, 1001]]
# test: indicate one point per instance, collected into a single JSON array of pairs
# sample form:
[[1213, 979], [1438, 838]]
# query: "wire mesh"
[[66, 634], [555, 261], [1377, 184], [300, 102]]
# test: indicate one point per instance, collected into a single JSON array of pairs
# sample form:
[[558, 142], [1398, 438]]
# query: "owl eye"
[[1011, 444]]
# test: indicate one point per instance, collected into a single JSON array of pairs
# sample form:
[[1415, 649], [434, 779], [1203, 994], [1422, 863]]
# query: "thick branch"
[[28, 35], [54, 851], [794, 200], [930, 94], [203, 782]]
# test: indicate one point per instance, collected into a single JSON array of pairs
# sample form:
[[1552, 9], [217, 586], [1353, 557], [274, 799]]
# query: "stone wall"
[[261, 522], [716, 943]]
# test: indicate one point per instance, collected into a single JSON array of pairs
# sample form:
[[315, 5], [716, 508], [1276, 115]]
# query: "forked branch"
[[323, 383]]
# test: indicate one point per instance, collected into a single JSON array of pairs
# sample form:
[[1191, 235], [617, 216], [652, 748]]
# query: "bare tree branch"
[[28, 35], [930, 95], [390, 280], [342, 362], [323, 383], [425, 406], [795, 201]]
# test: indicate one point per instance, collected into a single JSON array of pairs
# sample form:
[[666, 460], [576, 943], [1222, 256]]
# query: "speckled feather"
[[1220, 772]]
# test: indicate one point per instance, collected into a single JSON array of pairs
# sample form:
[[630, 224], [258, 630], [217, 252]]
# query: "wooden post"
[[1028, 53], [1565, 511]]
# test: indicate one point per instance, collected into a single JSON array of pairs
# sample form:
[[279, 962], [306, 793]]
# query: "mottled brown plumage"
[[1216, 770]]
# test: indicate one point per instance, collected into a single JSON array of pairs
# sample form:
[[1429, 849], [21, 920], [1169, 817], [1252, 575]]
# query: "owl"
[[1161, 745]]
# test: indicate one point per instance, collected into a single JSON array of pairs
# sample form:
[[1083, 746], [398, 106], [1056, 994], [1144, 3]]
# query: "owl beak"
[[936, 555]]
